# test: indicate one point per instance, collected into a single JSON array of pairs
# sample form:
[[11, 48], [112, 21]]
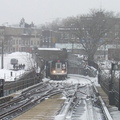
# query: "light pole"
[[111, 92], [2, 55], [2, 30]]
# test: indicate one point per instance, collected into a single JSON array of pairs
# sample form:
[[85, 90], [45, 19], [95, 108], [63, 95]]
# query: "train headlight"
[[54, 71], [63, 71]]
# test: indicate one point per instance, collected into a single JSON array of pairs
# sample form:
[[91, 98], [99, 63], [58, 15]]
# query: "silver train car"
[[57, 69], [52, 61]]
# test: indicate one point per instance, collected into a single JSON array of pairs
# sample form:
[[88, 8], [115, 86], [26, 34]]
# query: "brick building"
[[19, 39]]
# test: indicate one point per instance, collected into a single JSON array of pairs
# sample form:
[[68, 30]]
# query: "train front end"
[[58, 69]]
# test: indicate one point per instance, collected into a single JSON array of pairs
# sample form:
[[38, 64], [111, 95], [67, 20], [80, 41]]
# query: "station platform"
[[46, 110]]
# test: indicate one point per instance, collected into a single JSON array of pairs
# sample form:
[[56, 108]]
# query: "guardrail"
[[103, 106], [25, 81], [111, 86]]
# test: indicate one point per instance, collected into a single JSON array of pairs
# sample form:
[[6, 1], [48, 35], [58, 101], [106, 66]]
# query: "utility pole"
[[111, 92], [2, 55], [2, 30]]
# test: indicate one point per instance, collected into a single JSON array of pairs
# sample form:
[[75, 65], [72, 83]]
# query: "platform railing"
[[111, 86]]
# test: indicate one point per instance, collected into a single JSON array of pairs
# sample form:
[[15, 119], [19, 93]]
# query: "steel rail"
[[103, 106], [31, 102]]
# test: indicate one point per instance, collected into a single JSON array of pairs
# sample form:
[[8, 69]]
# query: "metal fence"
[[111, 85], [82, 71], [27, 80]]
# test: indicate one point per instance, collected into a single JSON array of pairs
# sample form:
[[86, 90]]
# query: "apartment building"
[[49, 38]]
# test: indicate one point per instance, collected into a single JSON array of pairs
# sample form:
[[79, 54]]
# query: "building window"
[[31, 42], [23, 42], [62, 35], [66, 35], [38, 42], [13, 42]]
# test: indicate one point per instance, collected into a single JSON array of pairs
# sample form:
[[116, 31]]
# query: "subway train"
[[52, 61], [56, 69]]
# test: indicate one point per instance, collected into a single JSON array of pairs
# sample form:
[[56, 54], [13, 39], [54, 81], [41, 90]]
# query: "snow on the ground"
[[7, 72], [83, 80], [26, 58]]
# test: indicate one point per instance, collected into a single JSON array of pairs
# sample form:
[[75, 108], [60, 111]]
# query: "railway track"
[[25, 101], [86, 104], [82, 101]]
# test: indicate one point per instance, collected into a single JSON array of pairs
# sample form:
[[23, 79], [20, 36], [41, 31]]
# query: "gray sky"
[[43, 11]]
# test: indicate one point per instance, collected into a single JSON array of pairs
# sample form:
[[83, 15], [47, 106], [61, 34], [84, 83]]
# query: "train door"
[[58, 67]]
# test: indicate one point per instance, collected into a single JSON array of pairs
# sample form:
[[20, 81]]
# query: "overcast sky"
[[43, 11]]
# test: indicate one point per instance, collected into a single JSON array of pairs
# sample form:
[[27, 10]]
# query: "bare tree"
[[93, 29]]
